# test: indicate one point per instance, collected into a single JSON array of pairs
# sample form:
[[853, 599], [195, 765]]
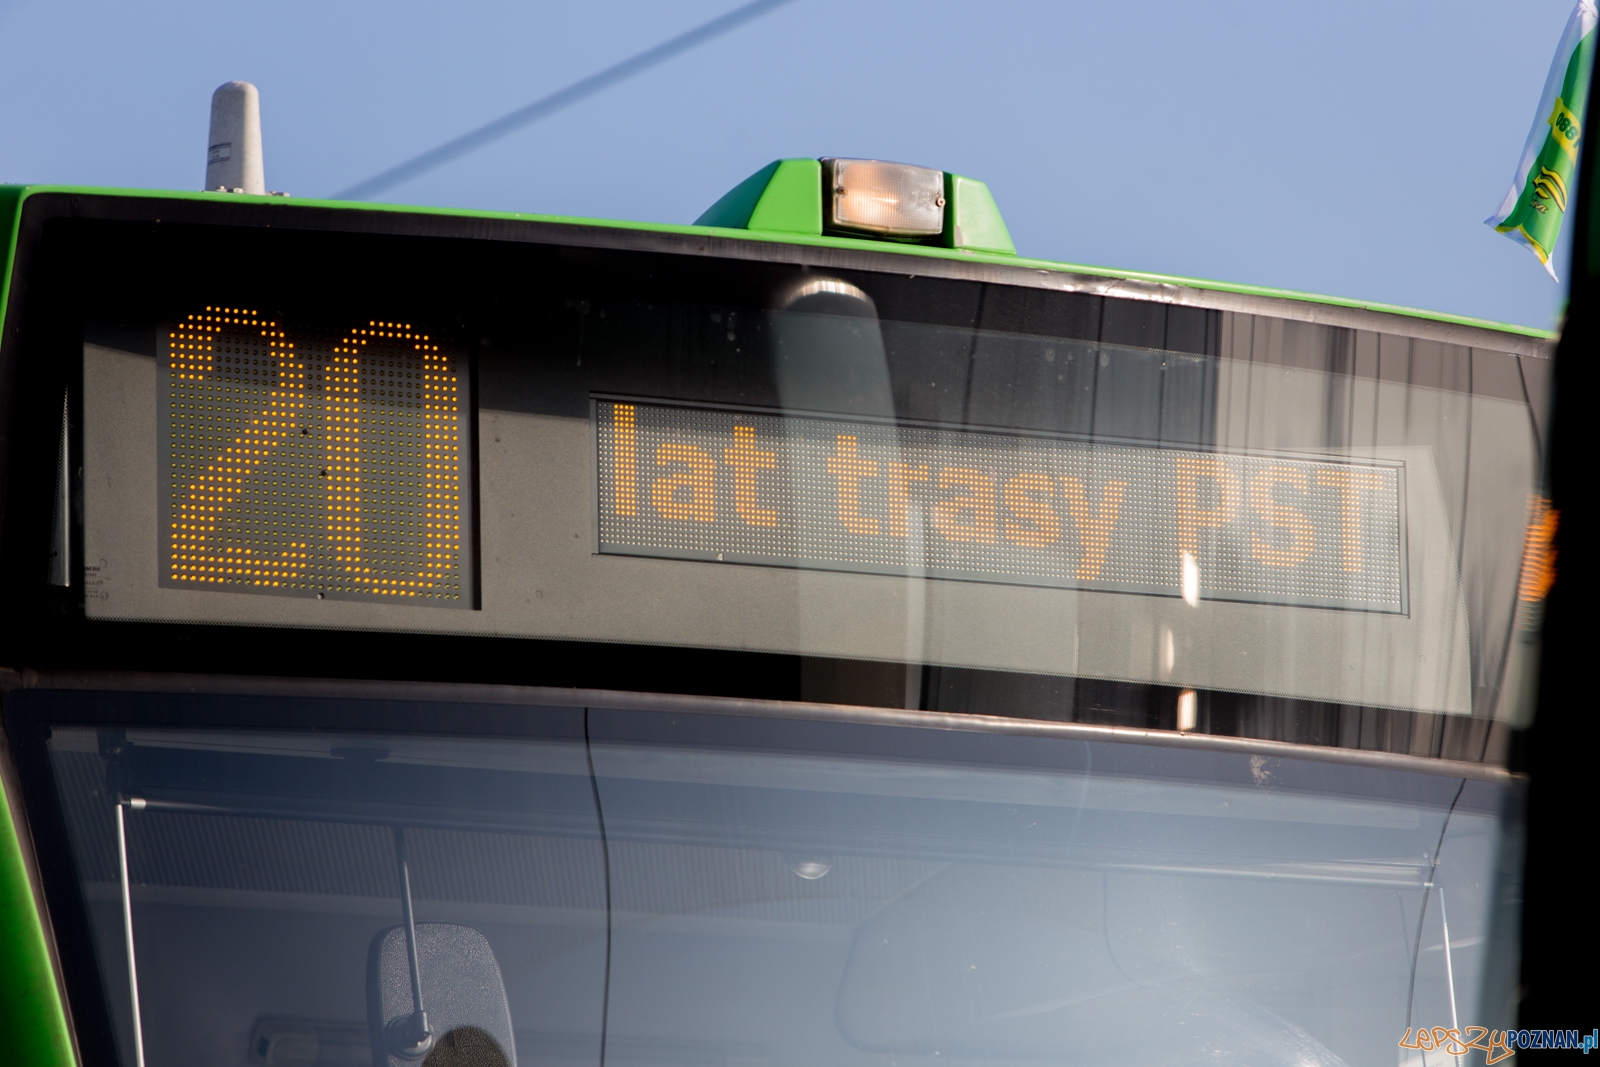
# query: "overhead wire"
[[546, 106]]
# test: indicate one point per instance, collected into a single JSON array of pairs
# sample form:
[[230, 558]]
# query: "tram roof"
[[1049, 274]]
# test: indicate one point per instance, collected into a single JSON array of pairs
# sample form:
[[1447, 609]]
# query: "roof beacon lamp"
[[882, 199], [233, 154], [865, 199]]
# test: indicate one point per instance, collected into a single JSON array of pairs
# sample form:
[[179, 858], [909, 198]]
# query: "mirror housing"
[[462, 989]]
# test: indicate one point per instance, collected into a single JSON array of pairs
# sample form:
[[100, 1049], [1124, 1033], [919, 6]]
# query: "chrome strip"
[[127, 931], [679, 704]]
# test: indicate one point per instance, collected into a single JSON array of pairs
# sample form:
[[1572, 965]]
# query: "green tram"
[[813, 635]]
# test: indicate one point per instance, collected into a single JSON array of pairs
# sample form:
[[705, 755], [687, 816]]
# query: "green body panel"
[[792, 200], [733, 208], [11, 197], [785, 196], [973, 219], [820, 241], [32, 1017]]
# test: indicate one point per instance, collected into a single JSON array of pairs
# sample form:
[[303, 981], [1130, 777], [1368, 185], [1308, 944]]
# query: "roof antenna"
[[233, 160]]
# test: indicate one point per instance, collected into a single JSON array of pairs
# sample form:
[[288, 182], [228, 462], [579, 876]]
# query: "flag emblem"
[[1536, 204]]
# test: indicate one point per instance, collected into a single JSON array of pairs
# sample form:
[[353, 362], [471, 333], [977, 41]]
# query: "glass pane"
[[770, 892], [1068, 902], [262, 869]]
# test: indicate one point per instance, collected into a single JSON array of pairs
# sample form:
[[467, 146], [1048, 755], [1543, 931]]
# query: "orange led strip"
[[328, 464], [200, 512], [348, 457]]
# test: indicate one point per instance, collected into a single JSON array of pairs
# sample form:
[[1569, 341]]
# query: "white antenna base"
[[233, 153]]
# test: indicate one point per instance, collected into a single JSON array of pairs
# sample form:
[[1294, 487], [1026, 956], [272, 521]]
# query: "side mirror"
[[468, 1019]]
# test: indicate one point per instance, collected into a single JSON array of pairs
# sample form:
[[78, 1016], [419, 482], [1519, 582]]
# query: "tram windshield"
[[1072, 677]]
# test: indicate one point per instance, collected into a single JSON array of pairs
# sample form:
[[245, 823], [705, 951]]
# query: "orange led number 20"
[[303, 466]]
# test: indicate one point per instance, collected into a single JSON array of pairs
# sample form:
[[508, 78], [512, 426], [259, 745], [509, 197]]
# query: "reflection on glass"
[[1371, 494], [790, 900], [266, 910]]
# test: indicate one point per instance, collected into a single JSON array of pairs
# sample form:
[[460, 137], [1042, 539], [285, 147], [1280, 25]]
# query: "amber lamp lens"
[[890, 199]]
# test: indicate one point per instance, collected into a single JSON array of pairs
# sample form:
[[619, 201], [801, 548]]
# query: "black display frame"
[[40, 355]]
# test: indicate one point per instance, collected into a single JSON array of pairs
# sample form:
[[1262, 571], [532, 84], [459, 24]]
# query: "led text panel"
[[802, 491]]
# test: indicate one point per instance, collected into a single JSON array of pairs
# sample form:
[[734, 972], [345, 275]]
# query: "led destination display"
[[310, 464], [277, 469], [853, 495]]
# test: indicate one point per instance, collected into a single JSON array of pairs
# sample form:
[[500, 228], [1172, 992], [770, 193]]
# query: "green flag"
[[1533, 209]]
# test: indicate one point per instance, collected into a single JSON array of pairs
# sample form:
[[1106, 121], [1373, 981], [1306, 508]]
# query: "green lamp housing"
[[866, 199]]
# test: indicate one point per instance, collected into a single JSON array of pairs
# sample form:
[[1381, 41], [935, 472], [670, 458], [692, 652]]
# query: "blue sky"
[[1349, 148]]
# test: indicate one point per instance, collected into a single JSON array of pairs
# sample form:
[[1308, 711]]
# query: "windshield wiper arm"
[[410, 1036]]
